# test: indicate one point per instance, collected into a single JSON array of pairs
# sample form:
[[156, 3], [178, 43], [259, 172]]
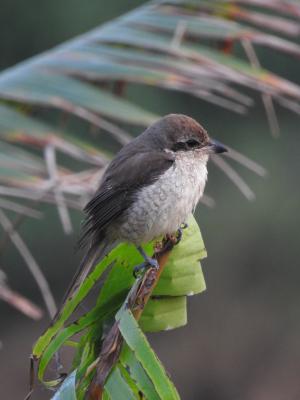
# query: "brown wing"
[[126, 175]]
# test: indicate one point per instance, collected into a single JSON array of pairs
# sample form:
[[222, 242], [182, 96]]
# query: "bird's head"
[[180, 133]]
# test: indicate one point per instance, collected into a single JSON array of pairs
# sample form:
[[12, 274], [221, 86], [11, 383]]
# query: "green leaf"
[[137, 342], [183, 274], [72, 303], [96, 316], [19, 127], [217, 28], [67, 389], [111, 296], [85, 62], [105, 396], [35, 86], [117, 388], [137, 373], [120, 277], [164, 313]]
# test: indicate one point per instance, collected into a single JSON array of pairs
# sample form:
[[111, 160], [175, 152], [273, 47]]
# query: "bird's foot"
[[148, 263], [179, 232], [142, 268]]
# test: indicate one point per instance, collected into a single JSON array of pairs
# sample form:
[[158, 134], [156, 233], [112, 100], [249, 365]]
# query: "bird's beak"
[[216, 147]]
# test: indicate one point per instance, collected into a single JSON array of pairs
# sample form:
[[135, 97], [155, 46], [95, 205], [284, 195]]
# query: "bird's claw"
[[184, 225]]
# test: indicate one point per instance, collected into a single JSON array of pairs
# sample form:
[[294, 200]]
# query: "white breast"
[[161, 207]]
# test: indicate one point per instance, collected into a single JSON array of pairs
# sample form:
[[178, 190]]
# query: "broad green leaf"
[[164, 313], [183, 274]]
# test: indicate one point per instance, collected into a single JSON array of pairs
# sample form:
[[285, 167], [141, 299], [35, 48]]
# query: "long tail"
[[94, 254]]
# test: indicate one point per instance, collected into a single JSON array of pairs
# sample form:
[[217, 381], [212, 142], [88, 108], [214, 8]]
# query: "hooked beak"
[[216, 147]]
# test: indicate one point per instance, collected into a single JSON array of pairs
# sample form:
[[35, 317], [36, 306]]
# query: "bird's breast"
[[162, 206]]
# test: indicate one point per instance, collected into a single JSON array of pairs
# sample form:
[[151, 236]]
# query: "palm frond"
[[186, 46]]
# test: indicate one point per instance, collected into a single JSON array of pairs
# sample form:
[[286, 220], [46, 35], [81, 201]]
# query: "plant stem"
[[137, 299]]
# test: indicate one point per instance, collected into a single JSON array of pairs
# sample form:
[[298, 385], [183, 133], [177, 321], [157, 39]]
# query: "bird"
[[148, 190]]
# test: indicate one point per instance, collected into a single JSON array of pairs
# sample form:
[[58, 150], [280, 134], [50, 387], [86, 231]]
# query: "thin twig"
[[31, 263], [119, 134], [63, 211], [20, 209], [178, 34], [219, 100], [246, 162], [38, 194], [289, 104], [234, 176], [16, 300], [266, 98], [15, 225]]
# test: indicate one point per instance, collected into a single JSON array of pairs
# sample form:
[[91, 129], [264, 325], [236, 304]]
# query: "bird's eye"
[[192, 143], [188, 145], [179, 146]]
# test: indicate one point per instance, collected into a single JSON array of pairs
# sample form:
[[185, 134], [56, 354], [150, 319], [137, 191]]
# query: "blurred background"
[[242, 338]]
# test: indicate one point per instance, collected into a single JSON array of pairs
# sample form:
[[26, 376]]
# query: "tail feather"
[[94, 254]]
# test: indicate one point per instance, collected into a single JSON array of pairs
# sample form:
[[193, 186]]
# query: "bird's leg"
[[152, 262], [149, 262]]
